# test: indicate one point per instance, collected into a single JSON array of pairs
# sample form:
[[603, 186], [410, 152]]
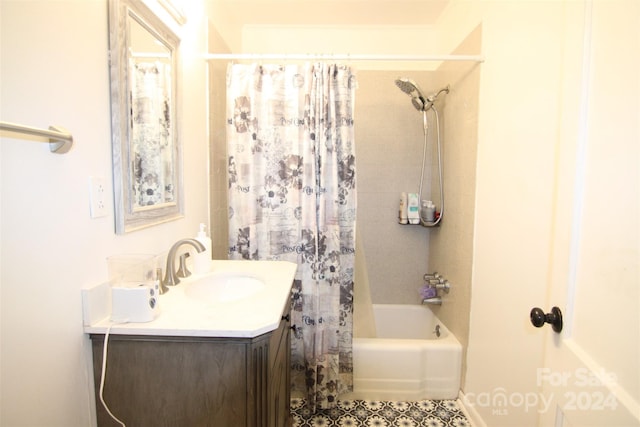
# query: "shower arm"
[[433, 97]]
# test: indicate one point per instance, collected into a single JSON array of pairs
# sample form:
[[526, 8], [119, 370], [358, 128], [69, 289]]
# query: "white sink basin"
[[216, 288]]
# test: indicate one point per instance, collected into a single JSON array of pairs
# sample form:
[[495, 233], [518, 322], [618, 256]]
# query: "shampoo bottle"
[[413, 208], [202, 260], [402, 211]]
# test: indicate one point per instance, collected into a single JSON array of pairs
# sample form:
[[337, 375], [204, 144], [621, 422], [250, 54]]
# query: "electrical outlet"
[[98, 196]]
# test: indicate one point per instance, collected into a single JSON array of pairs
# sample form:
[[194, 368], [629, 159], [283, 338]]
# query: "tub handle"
[[445, 286], [437, 281], [432, 276]]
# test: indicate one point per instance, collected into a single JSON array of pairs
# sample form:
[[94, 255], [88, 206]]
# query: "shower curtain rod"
[[342, 57], [60, 140]]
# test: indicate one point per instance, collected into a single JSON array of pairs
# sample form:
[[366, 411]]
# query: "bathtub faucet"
[[435, 282], [432, 301]]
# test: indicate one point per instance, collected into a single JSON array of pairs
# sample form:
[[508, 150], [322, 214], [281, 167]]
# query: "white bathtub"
[[407, 360]]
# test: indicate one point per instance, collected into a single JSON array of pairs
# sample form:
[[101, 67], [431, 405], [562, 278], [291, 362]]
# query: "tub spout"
[[432, 301]]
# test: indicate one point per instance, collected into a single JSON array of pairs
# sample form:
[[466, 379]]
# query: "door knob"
[[539, 318]]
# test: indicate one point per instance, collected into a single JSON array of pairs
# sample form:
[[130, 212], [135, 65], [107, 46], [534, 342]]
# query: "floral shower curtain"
[[151, 134], [292, 197]]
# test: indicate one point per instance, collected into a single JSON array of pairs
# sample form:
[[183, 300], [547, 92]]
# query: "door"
[[591, 372]]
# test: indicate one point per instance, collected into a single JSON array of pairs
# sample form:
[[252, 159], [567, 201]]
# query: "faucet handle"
[[444, 286], [162, 287], [431, 276], [183, 271]]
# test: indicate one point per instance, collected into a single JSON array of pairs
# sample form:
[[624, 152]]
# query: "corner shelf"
[[426, 224], [430, 224]]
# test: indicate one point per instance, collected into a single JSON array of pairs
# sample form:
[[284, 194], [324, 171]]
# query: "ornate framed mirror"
[[146, 149]]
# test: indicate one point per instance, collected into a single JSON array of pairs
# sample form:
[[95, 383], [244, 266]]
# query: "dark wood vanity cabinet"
[[195, 381]]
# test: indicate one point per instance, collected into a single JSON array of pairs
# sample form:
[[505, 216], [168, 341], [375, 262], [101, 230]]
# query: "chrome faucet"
[[439, 283], [432, 301], [171, 278]]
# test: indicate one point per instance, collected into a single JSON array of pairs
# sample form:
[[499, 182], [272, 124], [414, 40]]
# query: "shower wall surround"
[[389, 141], [389, 148]]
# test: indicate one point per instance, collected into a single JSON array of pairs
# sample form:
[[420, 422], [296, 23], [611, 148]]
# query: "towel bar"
[[60, 140]]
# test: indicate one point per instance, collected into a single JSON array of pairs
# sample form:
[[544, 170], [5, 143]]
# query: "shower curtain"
[[151, 134], [292, 197]]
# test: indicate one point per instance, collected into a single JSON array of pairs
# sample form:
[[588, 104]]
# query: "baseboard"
[[470, 412]]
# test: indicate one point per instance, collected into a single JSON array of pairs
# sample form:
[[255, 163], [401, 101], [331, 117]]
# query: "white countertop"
[[180, 315]]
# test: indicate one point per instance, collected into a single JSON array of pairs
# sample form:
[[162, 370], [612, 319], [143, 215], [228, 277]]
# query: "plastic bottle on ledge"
[[413, 208], [428, 211], [402, 211]]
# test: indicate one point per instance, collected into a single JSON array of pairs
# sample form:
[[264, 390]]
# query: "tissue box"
[[138, 303]]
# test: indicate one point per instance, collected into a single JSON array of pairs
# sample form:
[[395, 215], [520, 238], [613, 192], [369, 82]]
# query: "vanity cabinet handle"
[[286, 317]]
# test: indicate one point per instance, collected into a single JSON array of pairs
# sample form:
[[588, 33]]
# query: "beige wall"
[[218, 148], [54, 68], [451, 244], [518, 125]]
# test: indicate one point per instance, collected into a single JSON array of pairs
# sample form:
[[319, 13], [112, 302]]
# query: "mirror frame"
[[127, 217]]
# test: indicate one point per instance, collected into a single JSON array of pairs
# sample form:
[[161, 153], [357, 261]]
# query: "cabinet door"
[[172, 383], [279, 386]]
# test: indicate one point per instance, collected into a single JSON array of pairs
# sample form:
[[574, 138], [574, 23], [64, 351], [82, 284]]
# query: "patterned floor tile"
[[364, 413]]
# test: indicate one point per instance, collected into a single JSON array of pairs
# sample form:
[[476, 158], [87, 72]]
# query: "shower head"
[[408, 86], [418, 100], [411, 88]]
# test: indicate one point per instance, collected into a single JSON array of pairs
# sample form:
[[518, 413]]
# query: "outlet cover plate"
[[98, 196]]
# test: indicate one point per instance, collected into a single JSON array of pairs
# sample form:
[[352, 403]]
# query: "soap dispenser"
[[202, 260]]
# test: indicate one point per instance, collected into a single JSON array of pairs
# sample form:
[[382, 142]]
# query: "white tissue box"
[[135, 304]]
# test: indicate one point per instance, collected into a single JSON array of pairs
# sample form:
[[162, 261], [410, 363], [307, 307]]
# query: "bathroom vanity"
[[195, 381], [207, 360]]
